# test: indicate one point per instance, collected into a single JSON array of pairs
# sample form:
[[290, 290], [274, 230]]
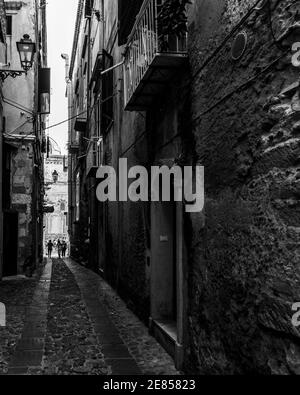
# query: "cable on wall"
[[227, 38], [270, 21], [241, 86]]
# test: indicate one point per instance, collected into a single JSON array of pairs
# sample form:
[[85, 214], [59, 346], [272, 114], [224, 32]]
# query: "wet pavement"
[[69, 321]]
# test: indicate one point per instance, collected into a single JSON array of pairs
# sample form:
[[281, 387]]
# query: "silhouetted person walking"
[[50, 248], [63, 249], [59, 245]]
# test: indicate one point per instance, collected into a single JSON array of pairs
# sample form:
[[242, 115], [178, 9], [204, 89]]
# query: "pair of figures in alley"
[[61, 247]]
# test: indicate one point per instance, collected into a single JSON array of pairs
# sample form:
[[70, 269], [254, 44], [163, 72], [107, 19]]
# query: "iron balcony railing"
[[145, 43]]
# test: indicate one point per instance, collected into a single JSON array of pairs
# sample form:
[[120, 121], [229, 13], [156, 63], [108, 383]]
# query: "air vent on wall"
[[261, 5], [239, 46]]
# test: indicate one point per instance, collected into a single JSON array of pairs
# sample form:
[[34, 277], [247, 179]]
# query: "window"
[[89, 8], [128, 10], [9, 25]]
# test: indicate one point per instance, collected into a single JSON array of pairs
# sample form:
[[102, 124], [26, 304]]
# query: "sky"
[[61, 16]]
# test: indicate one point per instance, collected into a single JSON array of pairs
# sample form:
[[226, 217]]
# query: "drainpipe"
[[67, 67]]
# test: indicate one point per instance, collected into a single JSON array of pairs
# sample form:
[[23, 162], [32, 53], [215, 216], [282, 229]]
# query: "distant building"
[[2, 60], [56, 198]]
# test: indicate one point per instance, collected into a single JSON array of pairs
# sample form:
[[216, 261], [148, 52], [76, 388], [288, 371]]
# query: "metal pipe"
[[67, 65], [113, 67]]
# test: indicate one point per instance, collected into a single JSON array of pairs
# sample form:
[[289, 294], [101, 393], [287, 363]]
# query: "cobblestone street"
[[68, 321]]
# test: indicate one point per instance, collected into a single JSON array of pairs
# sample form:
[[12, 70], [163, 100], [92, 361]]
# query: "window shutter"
[[128, 11], [89, 8]]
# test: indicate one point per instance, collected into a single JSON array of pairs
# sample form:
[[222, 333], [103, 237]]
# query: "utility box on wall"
[[44, 91]]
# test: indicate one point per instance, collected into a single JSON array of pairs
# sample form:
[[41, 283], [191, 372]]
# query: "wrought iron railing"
[[145, 43]]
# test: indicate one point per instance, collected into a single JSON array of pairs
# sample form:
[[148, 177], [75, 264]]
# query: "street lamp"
[[26, 49]]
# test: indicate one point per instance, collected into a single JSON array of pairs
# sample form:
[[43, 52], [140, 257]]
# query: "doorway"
[[166, 322], [10, 243]]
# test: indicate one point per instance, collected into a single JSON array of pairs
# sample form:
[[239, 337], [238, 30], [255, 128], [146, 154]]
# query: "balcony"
[[152, 58], [94, 158]]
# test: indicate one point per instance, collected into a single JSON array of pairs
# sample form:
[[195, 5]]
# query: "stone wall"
[[22, 182], [244, 263], [19, 110], [240, 120]]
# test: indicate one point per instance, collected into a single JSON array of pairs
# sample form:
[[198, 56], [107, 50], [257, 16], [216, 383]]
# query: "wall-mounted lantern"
[[26, 49]]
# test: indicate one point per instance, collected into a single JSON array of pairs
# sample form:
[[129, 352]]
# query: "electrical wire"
[[15, 102], [62, 122], [227, 38], [24, 123], [212, 107], [212, 56], [278, 45], [241, 86], [20, 137], [17, 105], [134, 143], [81, 113]]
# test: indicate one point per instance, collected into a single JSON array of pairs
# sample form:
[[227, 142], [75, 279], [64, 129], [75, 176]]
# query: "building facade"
[[2, 60], [24, 137], [56, 198], [216, 287]]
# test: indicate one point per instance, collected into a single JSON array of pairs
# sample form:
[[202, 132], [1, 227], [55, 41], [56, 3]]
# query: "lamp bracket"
[[10, 73]]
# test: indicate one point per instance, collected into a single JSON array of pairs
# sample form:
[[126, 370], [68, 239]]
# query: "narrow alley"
[[68, 321], [149, 189]]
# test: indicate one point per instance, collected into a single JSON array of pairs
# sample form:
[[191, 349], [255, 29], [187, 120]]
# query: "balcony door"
[[10, 243], [128, 11], [164, 289]]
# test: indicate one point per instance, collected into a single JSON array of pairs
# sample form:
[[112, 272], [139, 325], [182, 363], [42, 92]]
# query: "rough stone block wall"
[[126, 265], [244, 262], [22, 178]]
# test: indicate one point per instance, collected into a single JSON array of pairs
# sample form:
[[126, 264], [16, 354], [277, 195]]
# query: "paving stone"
[[115, 351], [17, 296], [133, 333], [17, 371], [31, 343], [105, 328], [27, 358], [123, 366], [75, 326], [108, 338], [70, 340]]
